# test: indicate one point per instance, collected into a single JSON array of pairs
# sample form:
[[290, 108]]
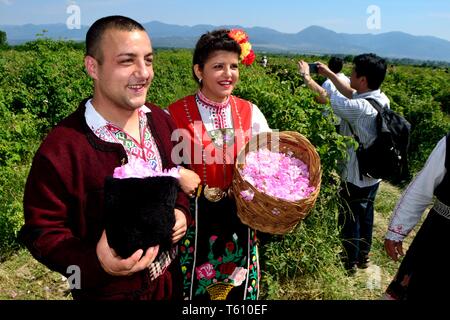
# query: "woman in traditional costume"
[[219, 254], [423, 271]]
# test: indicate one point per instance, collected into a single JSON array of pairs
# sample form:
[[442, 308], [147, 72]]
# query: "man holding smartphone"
[[358, 118], [313, 67]]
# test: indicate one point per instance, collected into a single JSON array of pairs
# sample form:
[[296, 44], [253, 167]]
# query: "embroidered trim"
[[160, 266], [217, 115], [194, 263], [397, 231], [212, 104], [200, 140], [258, 277], [442, 209], [249, 258], [145, 149]]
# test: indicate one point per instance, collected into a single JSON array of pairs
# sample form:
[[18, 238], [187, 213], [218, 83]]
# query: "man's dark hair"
[[335, 64], [372, 67], [97, 30], [209, 43]]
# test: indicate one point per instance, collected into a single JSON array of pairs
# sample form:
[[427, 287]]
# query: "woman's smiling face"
[[219, 75]]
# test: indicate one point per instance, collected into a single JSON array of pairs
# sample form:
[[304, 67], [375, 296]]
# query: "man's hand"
[[324, 70], [116, 266], [189, 181], [303, 68], [343, 87], [180, 227], [394, 249]]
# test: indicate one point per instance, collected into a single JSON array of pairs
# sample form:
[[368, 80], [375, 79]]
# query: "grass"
[[23, 278], [371, 283], [333, 283]]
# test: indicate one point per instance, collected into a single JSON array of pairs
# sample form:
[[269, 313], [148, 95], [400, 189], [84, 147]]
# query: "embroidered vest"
[[214, 163], [442, 191]]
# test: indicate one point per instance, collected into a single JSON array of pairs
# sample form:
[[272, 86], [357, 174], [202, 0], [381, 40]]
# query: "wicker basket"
[[266, 213]]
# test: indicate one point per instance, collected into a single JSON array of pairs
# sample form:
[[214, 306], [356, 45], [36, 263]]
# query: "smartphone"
[[313, 68]]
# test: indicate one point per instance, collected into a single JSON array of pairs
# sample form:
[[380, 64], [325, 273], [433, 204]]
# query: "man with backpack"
[[359, 119]]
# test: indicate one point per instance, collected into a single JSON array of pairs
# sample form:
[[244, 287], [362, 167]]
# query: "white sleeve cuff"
[[394, 236]]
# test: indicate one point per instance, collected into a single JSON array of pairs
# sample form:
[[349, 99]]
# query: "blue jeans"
[[356, 221]]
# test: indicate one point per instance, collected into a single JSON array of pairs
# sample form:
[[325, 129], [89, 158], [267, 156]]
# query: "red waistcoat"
[[211, 162]]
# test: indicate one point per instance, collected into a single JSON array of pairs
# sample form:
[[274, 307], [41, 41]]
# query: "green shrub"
[[51, 82], [12, 182], [43, 81]]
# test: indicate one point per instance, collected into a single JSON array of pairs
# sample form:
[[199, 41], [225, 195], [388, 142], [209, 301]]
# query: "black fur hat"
[[140, 213]]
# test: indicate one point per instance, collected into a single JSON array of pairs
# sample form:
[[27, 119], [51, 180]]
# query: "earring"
[[200, 81]]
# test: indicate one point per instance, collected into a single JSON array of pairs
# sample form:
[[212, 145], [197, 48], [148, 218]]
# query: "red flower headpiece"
[[247, 54]]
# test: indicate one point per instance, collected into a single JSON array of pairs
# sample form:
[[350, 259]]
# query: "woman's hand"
[[189, 181]]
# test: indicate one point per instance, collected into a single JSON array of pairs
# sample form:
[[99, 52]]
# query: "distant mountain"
[[28, 32], [312, 40]]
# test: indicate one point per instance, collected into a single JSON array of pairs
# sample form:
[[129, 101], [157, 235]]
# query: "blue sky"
[[417, 17]]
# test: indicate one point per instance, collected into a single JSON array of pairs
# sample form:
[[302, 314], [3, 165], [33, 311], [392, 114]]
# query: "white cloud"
[[6, 2]]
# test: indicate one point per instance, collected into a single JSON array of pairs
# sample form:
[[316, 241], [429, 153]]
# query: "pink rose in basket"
[[277, 174], [247, 195]]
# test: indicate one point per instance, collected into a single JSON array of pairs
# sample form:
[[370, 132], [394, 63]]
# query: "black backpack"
[[386, 158]]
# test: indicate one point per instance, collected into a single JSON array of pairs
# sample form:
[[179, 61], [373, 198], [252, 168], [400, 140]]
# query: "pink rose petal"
[[138, 168], [277, 174]]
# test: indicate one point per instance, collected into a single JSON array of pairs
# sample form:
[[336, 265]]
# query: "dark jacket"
[[63, 205]]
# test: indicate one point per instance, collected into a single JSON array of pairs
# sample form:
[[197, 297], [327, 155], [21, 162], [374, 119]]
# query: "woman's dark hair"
[[98, 28], [211, 42]]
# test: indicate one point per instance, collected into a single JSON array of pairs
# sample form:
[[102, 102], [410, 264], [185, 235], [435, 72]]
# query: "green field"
[[43, 81]]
